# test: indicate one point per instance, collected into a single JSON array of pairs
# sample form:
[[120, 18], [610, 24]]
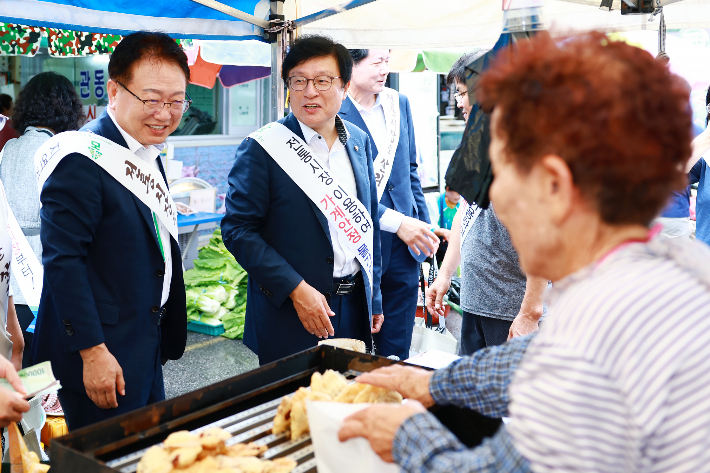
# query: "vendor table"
[[184, 223]]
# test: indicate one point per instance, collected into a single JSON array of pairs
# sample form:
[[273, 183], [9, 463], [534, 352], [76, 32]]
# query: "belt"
[[346, 285], [30, 231]]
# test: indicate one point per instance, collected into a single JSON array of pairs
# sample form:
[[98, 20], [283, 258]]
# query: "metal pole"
[[277, 85]]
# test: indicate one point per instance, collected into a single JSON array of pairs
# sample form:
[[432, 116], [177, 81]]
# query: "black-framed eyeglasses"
[[321, 83], [460, 95], [151, 107]]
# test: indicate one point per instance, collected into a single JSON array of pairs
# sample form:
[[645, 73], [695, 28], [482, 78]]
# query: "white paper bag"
[[425, 339], [333, 456]]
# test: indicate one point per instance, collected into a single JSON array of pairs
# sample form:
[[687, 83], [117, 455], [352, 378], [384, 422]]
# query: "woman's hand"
[[12, 404], [435, 295], [379, 424], [410, 382]]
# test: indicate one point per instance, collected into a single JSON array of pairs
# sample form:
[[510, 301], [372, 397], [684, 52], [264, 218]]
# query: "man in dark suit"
[[113, 300], [386, 117], [305, 283]]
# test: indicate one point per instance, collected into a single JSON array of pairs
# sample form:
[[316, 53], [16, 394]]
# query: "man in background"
[[386, 117]]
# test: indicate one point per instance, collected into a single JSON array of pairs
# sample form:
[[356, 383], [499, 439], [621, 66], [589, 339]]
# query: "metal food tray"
[[244, 406]]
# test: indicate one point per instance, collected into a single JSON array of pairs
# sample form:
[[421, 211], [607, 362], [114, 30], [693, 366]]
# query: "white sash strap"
[[26, 268], [300, 163], [135, 174], [389, 99], [470, 214]]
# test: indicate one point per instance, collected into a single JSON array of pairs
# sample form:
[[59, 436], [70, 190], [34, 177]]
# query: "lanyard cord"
[[160, 238]]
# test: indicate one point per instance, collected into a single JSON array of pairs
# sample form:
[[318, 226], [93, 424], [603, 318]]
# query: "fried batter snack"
[[330, 383], [374, 394], [299, 417], [155, 460], [282, 421], [350, 392], [185, 452]]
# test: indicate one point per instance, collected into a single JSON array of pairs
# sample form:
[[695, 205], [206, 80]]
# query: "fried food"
[[246, 450], [182, 439], [155, 460], [375, 394], [185, 452], [299, 416], [331, 383], [213, 438], [282, 421], [350, 392]]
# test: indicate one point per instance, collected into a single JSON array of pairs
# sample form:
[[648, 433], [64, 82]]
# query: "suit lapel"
[[359, 164], [108, 129], [349, 112]]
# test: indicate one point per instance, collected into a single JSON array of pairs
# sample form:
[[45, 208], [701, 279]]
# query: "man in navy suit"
[[404, 219], [305, 284], [113, 300]]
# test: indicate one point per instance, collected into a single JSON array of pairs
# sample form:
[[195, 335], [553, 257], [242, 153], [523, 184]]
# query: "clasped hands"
[[379, 423]]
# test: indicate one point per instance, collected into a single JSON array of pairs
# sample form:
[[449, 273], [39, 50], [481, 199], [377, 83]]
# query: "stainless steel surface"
[[252, 425]]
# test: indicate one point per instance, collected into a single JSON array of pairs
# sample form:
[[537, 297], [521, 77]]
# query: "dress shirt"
[[337, 161], [150, 155], [376, 123]]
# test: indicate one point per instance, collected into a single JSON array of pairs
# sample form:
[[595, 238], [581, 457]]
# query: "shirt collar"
[[343, 133], [360, 108], [133, 144]]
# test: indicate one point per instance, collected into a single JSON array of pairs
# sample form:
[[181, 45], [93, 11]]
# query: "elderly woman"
[[589, 138], [48, 104]]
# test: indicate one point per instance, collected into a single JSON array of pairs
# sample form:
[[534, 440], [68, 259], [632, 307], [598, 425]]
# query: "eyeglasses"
[[459, 95], [707, 107], [151, 107], [321, 83]]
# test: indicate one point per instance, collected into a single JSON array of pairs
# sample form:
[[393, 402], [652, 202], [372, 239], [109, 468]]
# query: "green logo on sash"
[[95, 149]]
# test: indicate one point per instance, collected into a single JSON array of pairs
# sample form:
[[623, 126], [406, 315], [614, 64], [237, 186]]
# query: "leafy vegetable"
[[216, 288]]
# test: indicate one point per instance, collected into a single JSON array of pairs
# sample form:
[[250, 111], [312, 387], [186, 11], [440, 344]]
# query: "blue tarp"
[[179, 18]]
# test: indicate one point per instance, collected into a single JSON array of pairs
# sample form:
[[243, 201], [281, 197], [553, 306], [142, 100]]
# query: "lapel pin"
[[356, 148]]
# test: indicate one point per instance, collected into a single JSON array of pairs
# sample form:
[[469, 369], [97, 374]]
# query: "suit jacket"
[[281, 238], [403, 191], [103, 275]]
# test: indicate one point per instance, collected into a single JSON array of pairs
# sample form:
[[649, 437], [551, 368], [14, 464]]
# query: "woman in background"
[[48, 104]]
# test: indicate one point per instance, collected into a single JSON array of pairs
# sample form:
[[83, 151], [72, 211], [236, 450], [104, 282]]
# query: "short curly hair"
[[48, 100], [619, 118]]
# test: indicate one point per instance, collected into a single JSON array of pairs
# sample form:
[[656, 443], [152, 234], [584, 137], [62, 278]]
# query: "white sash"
[[135, 174], [389, 98], [470, 214], [301, 165], [26, 268]]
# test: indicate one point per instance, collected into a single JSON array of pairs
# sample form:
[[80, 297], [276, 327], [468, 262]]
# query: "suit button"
[[327, 295], [329, 260], [70, 331], [65, 322], [390, 187], [155, 309], [160, 273]]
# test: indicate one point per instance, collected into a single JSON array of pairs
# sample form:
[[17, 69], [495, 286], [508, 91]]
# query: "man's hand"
[[523, 324], [313, 310], [379, 424], [410, 382], [435, 295], [12, 405], [417, 233], [103, 376], [377, 321], [442, 233]]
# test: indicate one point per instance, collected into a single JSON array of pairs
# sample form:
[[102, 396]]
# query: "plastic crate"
[[207, 329]]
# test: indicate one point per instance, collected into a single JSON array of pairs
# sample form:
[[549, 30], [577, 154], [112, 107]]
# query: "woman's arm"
[[18, 342], [701, 144]]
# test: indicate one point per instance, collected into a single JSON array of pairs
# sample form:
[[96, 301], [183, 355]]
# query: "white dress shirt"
[[376, 123], [337, 161], [150, 155]]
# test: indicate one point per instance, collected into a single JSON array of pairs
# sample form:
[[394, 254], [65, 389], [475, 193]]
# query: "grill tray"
[[244, 406]]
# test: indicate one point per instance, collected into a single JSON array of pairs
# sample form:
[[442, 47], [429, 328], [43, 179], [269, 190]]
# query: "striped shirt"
[[618, 379]]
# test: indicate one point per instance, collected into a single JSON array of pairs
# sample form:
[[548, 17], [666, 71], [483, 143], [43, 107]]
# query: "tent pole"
[[277, 86]]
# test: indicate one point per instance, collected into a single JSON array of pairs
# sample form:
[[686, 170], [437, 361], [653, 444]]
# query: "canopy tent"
[[417, 24]]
